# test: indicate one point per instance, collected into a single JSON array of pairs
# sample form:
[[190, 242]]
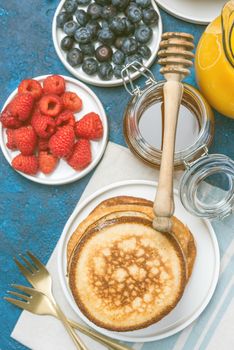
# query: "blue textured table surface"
[[32, 216]]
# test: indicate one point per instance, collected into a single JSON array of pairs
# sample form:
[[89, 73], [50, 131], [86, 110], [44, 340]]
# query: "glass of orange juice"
[[214, 62]]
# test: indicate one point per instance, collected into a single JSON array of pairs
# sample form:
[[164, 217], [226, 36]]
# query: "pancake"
[[95, 215], [116, 207], [118, 200], [186, 241], [192, 252], [91, 224], [181, 232], [124, 275]]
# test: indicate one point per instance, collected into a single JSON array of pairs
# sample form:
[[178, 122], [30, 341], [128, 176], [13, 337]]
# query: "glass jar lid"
[[197, 192]]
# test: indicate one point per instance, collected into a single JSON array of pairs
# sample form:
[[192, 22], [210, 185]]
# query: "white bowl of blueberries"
[[95, 39]]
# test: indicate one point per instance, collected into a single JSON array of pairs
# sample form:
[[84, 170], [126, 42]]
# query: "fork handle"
[[77, 341], [99, 337]]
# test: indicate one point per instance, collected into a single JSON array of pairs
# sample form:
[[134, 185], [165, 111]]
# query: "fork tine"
[[22, 296], [28, 263], [36, 261], [19, 303], [27, 290], [22, 268]]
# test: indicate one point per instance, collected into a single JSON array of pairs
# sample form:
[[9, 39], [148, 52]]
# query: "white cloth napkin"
[[47, 333]]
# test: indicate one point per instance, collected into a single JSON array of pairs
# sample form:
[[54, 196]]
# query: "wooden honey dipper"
[[175, 56]]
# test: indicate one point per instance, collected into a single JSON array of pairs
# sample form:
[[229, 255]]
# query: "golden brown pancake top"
[[125, 276]]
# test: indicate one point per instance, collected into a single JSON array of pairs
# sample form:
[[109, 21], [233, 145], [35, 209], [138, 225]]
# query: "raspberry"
[[36, 109], [26, 140], [8, 120], [44, 125], [54, 84], [61, 143], [21, 106], [81, 156], [25, 164], [11, 139], [65, 118], [30, 86], [72, 101], [89, 127], [43, 144], [47, 162], [50, 105]]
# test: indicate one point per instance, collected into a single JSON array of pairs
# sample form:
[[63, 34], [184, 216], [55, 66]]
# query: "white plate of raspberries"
[[54, 129]]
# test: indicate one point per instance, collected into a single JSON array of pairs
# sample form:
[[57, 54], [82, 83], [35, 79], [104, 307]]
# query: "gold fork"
[[40, 278], [38, 284], [38, 303]]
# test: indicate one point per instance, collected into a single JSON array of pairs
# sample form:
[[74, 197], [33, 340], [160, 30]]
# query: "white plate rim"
[[97, 81], [95, 161], [188, 18], [120, 335]]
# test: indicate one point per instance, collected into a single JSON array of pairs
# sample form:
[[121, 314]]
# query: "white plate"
[[201, 285], [195, 11], [58, 34], [64, 173]]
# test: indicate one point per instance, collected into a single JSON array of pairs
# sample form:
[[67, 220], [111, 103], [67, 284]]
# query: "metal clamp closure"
[[129, 70], [188, 164]]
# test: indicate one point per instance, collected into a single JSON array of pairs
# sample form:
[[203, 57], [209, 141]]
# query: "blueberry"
[[67, 43], [70, 27], [133, 58], [117, 25], [143, 33], [120, 4], [87, 49], [70, 6], [134, 14], [90, 66], [150, 16], [84, 2], [118, 57], [143, 3], [117, 71], [106, 36], [105, 24], [133, 3], [103, 2], [129, 46], [119, 42], [83, 35], [129, 26], [75, 57], [62, 18], [109, 11], [103, 53], [130, 4], [94, 10], [82, 17], [105, 71], [94, 27], [144, 51]]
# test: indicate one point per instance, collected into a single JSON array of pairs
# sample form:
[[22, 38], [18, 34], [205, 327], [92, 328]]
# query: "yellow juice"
[[214, 66]]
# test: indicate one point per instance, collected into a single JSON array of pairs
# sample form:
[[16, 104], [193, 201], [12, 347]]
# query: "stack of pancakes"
[[123, 274]]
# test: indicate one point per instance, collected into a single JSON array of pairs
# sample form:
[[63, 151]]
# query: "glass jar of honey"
[[214, 62], [143, 129]]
